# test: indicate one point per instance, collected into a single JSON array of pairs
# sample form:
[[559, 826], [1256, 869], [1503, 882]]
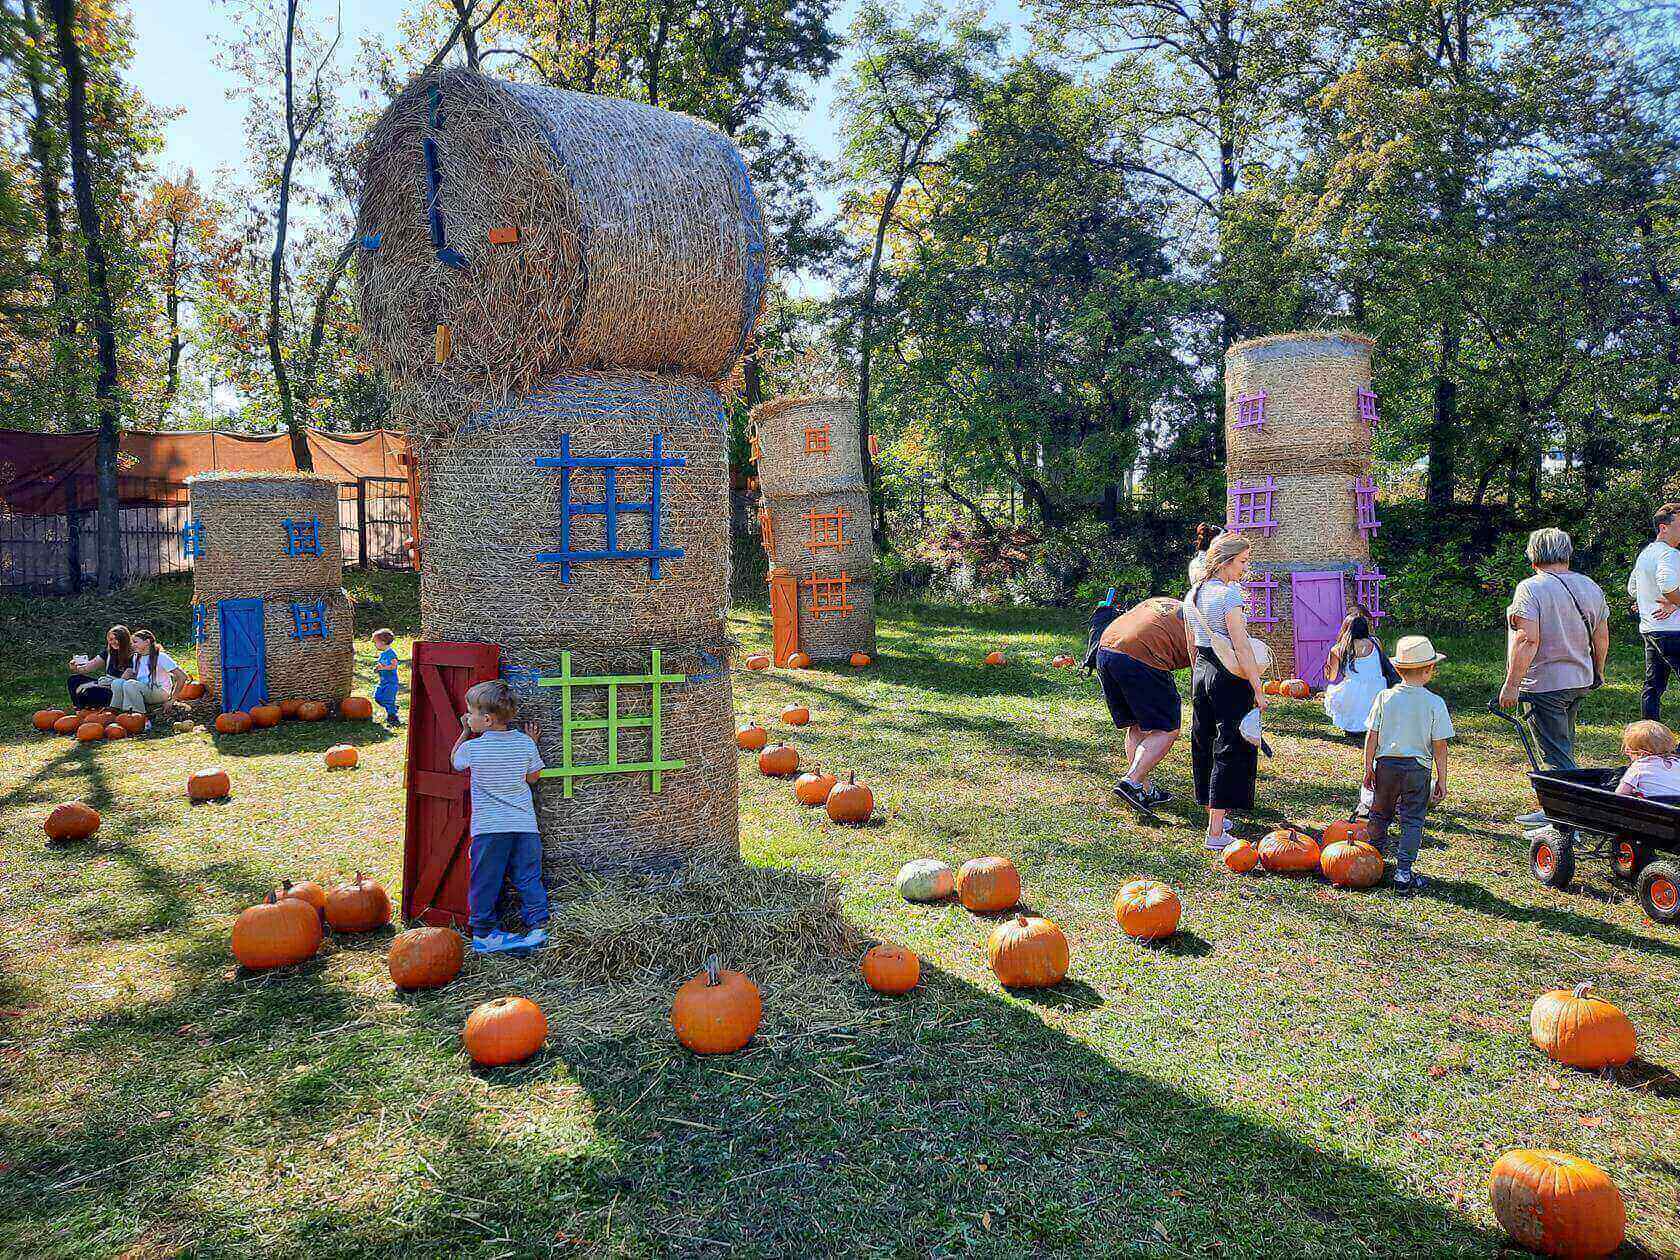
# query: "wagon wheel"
[[1628, 856], [1553, 861], [1659, 892]]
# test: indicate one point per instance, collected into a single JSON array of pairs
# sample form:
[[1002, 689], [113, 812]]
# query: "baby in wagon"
[[1654, 769]]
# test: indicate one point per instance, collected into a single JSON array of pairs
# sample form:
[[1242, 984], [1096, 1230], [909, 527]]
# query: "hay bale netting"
[[487, 512], [806, 526], [809, 445], [829, 636], [1311, 422], [1317, 519], [245, 532], [639, 242], [309, 668]]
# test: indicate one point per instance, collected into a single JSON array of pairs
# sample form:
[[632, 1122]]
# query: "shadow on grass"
[[1566, 922]]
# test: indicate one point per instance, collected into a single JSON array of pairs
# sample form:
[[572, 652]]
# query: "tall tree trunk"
[[43, 147], [295, 426], [469, 33], [310, 366], [172, 310], [104, 321], [866, 344]]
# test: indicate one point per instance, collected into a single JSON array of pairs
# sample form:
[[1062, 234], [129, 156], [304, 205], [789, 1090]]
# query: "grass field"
[[1301, 1071]]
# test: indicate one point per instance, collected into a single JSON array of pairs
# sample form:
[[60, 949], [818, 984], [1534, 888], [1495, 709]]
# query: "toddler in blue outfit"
[[386, 692]]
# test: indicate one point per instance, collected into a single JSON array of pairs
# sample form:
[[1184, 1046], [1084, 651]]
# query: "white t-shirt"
[[499, 762], [1652, 776], [165, 665], [1213, 599], [1657, 570]]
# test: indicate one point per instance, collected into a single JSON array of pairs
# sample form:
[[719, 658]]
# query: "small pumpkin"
[[1351, 864], [812, 787], [289, 709], [210, 784], [891, 969], [1027, 952], [311, 711], [860, 660], [69, 724], [925, 879], [851, 802], [779, 761], [1061, 660], [355, 708], [425, 958], [264, 716], [1272, 687], [44, 718], [360, 905], [341, 757], [1580, 1030], [236, 722], [116, 730], [307, 891], [796, 715], [1147, 910], [1557, 1204], [505, 1030], [751, 738], [89, 731], [1240, 856], [988, 885], [1296, 689], [71, 821], [1288, 851], [716, 1012], [191, 690], [277, 933], [758, 660], [1344, 829], [994, 658], [133, 723], [799, 660]]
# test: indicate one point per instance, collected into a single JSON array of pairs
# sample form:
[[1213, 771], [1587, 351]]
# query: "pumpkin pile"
[[716, 1012]]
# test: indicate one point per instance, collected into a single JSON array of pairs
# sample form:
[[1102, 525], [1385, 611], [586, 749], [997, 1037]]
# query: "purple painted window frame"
[[1368, 408], [1367, 590], [1251, 410], [1365, 505], [1248, 505], [1261, 591]]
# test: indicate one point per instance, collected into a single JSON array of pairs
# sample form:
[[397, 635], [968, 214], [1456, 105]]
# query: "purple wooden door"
[[1320, 603]]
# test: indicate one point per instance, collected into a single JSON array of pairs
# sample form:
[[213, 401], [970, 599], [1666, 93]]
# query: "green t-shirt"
[[1408, 720]]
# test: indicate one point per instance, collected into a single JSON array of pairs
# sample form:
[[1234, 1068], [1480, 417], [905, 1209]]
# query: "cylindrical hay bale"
[[815, 532], [488, 511], [1317, 521], [566, 231], [1280, 635], [1309, 418], [313, 667], [835, 635], [808, 445], [262, 532]]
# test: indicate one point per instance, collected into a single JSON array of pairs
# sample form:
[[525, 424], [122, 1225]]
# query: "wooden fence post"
[[361, 523]]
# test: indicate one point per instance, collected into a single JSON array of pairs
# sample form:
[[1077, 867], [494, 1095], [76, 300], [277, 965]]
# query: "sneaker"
[[533, 939], [493, 942], [1548, 832], [394, 721], [1536, 818], [1409, 883], [1156, 795], [1134, 796], [1216, 844], [148, 725]]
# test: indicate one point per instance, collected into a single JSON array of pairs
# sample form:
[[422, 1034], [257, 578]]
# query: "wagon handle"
[[1522, 730]]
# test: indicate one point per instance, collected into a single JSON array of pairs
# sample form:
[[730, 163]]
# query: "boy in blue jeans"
[[1406, 739], [386, 664], [502, 765]]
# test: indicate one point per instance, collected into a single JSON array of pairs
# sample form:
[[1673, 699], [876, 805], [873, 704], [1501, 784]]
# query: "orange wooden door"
[[784, 615]]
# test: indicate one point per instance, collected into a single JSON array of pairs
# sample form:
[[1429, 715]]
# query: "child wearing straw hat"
[[1406, 737]]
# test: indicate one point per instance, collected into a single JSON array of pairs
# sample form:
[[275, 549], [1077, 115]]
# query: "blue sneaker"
[[534, 939], [494, 941]]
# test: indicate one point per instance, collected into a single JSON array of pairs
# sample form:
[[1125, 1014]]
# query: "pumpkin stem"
[[1582, 989], [713, 965], [1021, 919]]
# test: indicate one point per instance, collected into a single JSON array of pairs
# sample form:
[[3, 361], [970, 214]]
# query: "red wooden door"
[[436, 832], [1320, 603]]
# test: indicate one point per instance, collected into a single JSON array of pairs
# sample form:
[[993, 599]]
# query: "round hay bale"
[[834, 636], [567, 232], [488, 511], [1317, 519], [1311, 416], [807, 527], [809, 445], [245, 533], [305, 669]]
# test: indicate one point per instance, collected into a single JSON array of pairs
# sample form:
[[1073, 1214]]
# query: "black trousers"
[[1223, 763], [1662, 661], [93, 697]]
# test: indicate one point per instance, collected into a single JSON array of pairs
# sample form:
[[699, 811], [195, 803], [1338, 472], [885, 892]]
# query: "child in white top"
[[1655, 769]]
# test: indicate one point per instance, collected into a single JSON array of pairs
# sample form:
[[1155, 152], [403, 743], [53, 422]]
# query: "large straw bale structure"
[[808, 444], [1299, 420], [550, 231], [273, 538]]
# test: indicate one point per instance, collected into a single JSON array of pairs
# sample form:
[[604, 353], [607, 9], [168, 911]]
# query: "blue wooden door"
[[1320, 603], [244, 672]]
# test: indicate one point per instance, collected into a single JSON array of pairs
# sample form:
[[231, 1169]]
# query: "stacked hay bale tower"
[[270, 616], [557, 283], [815, 523], [1299, 415]]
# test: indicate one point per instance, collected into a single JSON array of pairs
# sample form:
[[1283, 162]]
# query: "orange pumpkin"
[[1027, 952], [71, 821], [506, 1030], [813, 787], [1061, 660], [716, 1012], [1272, 687], [341, 757], [1240, 856], [116, 730], [1343, 829], [891, 969], [289, 709], [207, 785], [89, 731], [307, 891], [235, 723], [758, 660], [751, 738], [1147, 910], [1351, 864], [1296, 689], [799, 660], [850, 802], [860, 659], [190, 691], [779, 761], [311, 711], [360, 905], [355, 708], [988, 885], [1557, 1204], [133, 723], [264, 716], [1582, 1031], [1288, 851], [425, 958], [44, 718], [994, 658], [69, 724], [796, 715], [277, 933]]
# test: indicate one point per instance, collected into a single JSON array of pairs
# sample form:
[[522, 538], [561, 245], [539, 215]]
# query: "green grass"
[[1302, 1071]]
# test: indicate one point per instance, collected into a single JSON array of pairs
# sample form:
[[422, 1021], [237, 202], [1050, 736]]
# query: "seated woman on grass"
[[91, 676], [150, 680]]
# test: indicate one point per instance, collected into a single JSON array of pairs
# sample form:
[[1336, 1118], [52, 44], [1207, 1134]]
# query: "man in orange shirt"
[[1136, 656]]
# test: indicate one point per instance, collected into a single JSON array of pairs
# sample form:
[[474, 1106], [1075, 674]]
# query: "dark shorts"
[[1138, 694]]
